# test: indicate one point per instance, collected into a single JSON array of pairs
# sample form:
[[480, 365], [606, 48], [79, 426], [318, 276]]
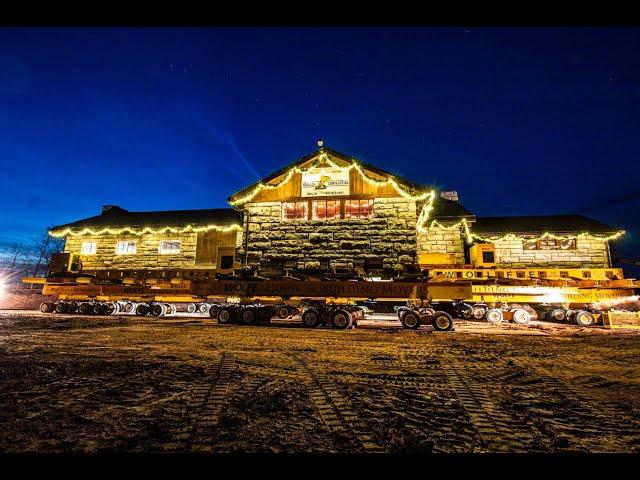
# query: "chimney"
[[110, 209], [452, 195]]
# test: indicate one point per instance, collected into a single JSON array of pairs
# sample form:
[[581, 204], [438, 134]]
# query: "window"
[[358, 208], [488, 257], [226, 261], [126, 247], [168, 247], [294, 210], [550, 244], [89, 248], [325, 209]]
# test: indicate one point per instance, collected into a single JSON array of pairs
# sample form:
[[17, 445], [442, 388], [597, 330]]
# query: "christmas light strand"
[[512, 236], [325, 158], [134, 231]]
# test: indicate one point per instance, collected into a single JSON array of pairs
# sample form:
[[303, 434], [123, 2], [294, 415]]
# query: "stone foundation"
[[443, 241], [341, 243]]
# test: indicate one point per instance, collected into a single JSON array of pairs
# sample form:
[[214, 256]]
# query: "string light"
[[133, 231], [512, 236], [325, 158]]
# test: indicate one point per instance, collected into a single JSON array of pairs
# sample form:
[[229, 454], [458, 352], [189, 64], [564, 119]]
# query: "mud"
[[112, 384]]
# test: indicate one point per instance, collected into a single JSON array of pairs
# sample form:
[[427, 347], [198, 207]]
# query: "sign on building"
[[325, 182]]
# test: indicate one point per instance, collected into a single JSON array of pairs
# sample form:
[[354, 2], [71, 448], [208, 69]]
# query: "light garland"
[[512, 236], [325, 158], [133, 231]]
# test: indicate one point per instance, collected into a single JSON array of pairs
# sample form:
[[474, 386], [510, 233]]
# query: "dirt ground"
[[104, 384]]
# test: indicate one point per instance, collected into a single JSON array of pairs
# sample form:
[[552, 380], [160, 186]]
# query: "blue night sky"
[[518, 121]]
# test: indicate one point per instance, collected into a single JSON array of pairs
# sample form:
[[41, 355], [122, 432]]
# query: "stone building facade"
[[327, 211]]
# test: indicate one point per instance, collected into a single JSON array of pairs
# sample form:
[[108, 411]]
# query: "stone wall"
[[588, 254], [443, 241], [146, 257], [341, 243]]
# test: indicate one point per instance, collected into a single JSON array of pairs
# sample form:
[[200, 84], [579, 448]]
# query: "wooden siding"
[[207, 245], [358, 187]]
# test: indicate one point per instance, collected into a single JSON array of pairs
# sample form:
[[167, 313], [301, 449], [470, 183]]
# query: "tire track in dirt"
[[574, 420], [335, 411], [206, 405]]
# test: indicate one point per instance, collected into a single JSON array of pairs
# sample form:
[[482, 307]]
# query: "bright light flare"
[[631, 300]]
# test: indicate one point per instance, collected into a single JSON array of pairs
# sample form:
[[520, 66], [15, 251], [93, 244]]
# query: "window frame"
[[128, 242], [93, 250], [170, 251], [537, 245], [337, 209], [359, 201], [305, 213]]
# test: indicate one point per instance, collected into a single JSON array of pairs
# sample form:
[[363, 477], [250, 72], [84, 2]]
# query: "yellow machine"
[[483, 255]]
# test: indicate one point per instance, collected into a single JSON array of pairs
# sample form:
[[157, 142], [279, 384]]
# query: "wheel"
[[571, 314], [142, 309], [248, 316], [557, 314], [98, 309], [61, 307], [442, 321], [129, 308], [467, 312], [158, 310], [109, 308], [410, 319], [213, 311], [117, 308], [478, 311], [341, 319], [283, 312], [401, 311], [494, 315], [521, 316], [192, 308], [311, 318], [585, 319], [46, 307], [84, 308], [204, 308], [171, 309], [225, 315]]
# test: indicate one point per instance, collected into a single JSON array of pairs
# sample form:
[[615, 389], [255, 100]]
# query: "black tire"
[[142, 309], [494, 316], [521, 316], [249, 316], [311, 318], [442, 321], [61, 307], [109, 308], [479, 311], [410, 319], [467, 312], [157, 310], [584, 318], [225, 315], [341, 319], [129, 308], [84, 309], [192, 308], [98, 309], [557, 314], [283, 312], [213, 311], [46, 307], [401, 311]]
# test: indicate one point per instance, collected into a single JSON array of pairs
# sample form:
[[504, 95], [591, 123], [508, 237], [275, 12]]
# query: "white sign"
[[325, 182]]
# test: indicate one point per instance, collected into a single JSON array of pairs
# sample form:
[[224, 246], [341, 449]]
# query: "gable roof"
[[333, 153], [541, 224], [444, 208], [119, 217]]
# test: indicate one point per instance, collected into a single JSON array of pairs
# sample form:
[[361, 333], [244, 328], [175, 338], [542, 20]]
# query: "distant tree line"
[[29, 258]]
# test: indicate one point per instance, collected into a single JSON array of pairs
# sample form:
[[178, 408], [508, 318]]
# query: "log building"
[[326, 211]]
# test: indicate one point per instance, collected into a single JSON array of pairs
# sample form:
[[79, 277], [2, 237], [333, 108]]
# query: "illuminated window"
[[358, 208], [126, 247], [89, 248], [325, 209], [550, 244], [294, 210], [168, 247]]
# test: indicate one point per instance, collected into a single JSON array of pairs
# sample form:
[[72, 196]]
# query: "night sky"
[[518, 121]]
